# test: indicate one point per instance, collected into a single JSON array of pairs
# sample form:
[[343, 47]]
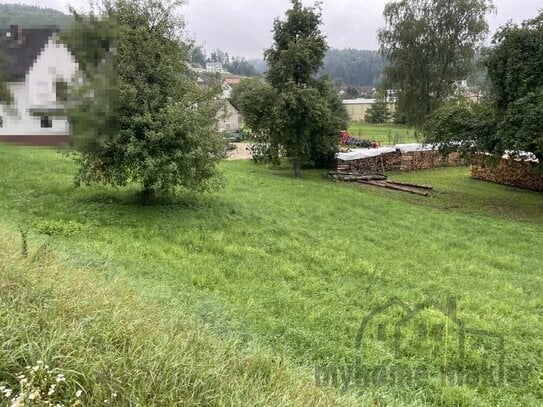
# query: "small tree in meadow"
[[298, 112], [139, 115]]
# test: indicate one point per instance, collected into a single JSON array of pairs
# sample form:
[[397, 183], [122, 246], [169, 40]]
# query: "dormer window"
[[46, 122]]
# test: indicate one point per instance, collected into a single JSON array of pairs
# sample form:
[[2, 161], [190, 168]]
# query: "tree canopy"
[[299, 47], [430, 45], [515, 66], [515, 62], [139, 116], [293, 109], [306, 113], [255, 98], [512, 119]]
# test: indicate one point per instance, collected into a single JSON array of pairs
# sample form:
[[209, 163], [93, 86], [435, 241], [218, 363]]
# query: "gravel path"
[[240, 153]]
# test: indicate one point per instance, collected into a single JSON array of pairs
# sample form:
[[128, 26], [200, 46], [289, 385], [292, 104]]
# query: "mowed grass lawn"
[[387, 133], [290, 267]]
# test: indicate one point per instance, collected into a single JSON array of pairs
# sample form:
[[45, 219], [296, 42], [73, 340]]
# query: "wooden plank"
[[407, 184], [385, 184], [359, 177], [354, 176]]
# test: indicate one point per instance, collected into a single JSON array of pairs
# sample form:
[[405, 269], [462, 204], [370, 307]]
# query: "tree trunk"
[[297, 166], [148, 193]]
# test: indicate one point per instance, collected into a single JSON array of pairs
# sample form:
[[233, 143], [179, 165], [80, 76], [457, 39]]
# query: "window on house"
[[46, 121], [61, 90], [1, 121]]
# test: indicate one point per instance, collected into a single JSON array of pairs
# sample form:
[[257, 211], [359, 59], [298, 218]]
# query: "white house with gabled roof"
[[37, 68]]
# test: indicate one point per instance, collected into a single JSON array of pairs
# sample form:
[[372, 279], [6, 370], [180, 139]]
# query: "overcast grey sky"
[[243, 27]]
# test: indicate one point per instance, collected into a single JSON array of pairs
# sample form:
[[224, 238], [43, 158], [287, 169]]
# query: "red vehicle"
[[347, 139], [344, 136]]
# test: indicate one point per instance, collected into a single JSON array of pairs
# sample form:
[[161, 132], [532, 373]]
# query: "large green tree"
[[515, 72], [430, 44], [139, 115], [512, 118], [291, 108], [307, 115]]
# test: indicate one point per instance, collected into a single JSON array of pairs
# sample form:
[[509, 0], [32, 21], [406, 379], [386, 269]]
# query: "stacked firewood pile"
[[381, 163], [414, 160], [507, 171], [370, 170], [421, 160]]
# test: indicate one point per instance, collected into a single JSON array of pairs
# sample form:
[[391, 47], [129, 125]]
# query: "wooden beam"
[[386, 184]]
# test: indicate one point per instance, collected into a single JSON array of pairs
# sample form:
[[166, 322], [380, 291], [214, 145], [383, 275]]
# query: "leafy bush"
[[462, 126], [399, 118], [260, 152]]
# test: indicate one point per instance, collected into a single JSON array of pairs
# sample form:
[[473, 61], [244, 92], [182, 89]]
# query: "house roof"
[[234, 105], [21, 48]]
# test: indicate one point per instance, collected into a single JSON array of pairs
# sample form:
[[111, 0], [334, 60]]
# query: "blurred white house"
[[37, 68]]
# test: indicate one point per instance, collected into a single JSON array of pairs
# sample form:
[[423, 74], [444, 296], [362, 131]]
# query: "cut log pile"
[[421, 160], [381, 163], [414, 160], [369, 166], [380, 180], [516, 173]]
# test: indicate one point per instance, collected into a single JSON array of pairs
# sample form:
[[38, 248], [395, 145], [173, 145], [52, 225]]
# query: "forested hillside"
[[350, 67], [31, 16], [354, 67]]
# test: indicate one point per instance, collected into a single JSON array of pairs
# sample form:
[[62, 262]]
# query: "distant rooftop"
[[21, 47]]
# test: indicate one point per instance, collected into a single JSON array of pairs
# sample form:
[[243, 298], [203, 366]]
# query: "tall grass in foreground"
[[99, 344]]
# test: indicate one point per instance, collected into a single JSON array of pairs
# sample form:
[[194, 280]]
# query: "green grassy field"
[[388, 133], [278, 271]]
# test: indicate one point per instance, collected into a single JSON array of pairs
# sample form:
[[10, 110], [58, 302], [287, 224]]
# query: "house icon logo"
[[432, 332], [422, 346]]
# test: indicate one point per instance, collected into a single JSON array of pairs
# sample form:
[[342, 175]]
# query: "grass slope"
[[293, 265], [118, 349]]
